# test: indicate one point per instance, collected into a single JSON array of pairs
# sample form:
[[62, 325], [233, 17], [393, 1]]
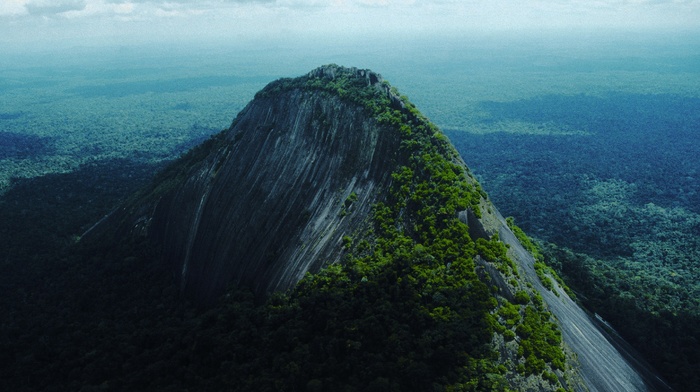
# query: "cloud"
[[194, 3], [528, 12], [51, 7], [69, 22]]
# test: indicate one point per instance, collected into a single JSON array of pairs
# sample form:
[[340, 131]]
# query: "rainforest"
[[591, 153]]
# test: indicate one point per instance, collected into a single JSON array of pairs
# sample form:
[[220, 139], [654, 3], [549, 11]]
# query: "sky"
[[58, 23]]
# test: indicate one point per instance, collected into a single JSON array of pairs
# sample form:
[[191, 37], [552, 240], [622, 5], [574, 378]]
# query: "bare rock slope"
[[298, 172], [270, 204], [606, 362], [270, 198]]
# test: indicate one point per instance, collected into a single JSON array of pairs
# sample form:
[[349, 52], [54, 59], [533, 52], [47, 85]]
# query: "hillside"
[[615, 206], [389, 266]]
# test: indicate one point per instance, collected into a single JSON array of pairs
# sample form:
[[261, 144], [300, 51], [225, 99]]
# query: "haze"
[[51, 24]]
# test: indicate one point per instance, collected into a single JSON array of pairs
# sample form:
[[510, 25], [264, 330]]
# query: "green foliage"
[[540, 269], [617, 188], [347, 242], [408, 311], [544, 272], [395, 314], [551, 377], [405, 311], [521, 297], [638, 304], [540, 341], [495, 251], [417, 276], [511, 314], [538, 337], [525, 241], [347, 204]]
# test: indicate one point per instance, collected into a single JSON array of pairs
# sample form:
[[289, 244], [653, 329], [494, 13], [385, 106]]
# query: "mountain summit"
[[272, 197], [334, 188]]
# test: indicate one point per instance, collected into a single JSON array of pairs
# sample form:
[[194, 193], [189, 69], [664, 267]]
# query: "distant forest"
[[616, 207], [593, 152]]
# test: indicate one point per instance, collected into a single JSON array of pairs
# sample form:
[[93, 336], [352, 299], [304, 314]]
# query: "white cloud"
[[49, 7], [69, 21], [12, 7]]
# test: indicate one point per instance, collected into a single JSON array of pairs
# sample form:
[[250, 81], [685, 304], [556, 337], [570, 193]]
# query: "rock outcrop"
[[283, 190], [273, 195]]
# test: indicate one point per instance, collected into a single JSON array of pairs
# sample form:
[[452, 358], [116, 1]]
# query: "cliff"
[[271, 197], [336, 168]]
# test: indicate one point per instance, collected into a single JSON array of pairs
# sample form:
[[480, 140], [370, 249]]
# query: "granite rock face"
[[300, 168], [295, 173]]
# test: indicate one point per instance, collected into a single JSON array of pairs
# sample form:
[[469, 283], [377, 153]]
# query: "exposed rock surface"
[[603, 366], [294, 173], [273, 196]]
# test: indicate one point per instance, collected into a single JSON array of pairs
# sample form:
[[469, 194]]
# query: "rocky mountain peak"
[[336, 168], [331, 71], [273, 197]]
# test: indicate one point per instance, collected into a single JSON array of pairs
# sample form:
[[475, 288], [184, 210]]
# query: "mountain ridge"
[[335, 168]]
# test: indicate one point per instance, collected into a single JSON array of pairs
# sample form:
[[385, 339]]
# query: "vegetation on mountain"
[[615, 209], [543, 270], [418, 272], [558, 140], [408, 308]]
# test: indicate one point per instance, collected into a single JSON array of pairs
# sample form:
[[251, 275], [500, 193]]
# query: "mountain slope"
[[272, 197], [290, 186], [336, 169]]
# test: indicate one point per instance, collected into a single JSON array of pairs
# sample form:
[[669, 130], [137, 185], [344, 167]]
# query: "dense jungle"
[[591, 150]]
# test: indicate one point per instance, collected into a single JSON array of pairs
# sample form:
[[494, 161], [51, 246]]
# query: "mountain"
[[335, 191], [272, 197]]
